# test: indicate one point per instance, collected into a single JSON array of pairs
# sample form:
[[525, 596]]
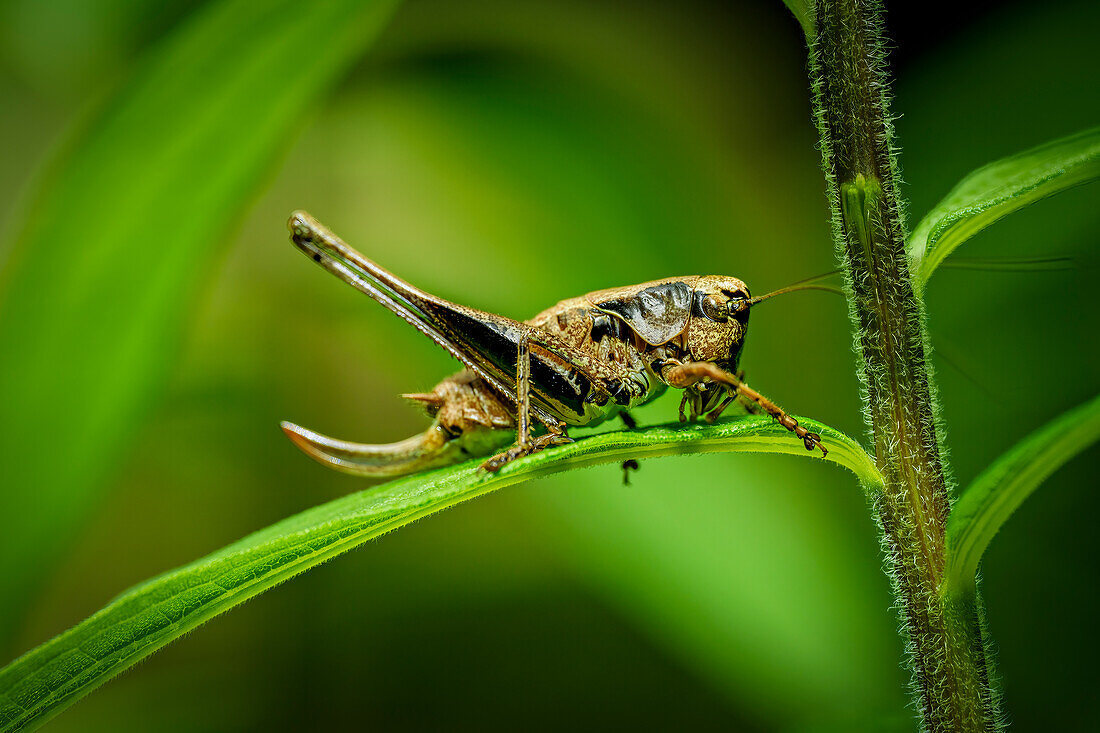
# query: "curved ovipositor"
[[434, 448]]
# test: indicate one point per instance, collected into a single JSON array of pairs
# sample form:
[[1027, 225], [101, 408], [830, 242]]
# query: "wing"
[[487, 344]]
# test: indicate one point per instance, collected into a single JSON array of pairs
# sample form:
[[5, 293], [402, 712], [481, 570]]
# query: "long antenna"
[[988, 264], [793, 288], [810, 283], [1022, 264]]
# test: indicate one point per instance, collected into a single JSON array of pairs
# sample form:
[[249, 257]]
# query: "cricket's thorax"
[[606, 346], [620, 337], [648, 325]]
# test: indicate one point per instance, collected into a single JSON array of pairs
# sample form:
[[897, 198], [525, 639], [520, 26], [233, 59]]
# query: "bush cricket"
[[583, 361]]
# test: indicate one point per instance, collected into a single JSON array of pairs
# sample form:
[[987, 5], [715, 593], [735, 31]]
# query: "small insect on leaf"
[[578, 363], [628, 465]]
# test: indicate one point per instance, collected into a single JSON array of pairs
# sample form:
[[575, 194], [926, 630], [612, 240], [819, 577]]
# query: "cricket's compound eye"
[[713, 308], [738, 305]]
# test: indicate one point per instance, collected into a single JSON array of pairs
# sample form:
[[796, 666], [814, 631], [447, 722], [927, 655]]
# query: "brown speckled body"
[[609, 348]]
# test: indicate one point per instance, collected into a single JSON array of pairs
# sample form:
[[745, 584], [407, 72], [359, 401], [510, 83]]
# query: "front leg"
[[689, 405], [712, 416], [683, 376], [525, 444]]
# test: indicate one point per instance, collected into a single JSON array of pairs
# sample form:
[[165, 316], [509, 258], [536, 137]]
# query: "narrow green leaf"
[[803, 12], [990, 500], [46, 680], [96, 292], [1000, 188]]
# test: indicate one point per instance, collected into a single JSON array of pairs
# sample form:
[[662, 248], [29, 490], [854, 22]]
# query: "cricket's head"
[[719, 320], [720, 316]]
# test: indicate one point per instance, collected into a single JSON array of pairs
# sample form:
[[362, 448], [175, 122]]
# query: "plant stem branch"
[[945, 644]]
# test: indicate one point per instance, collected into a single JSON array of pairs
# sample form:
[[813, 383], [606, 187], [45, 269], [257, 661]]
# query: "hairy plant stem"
[[944, 636]]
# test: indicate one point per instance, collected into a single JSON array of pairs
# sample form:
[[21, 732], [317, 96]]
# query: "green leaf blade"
[[96, 293], [999, 189], [994, 495], [804, 14], [46, 680]]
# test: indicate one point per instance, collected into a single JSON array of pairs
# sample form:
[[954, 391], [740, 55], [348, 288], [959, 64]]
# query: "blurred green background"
[[508, 155]]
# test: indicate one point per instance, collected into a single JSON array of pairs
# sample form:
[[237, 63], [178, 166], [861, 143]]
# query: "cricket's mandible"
[[578, 363]]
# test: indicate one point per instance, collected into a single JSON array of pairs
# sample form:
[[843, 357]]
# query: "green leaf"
[[46, 680], [803, 12], [998, 189], [96, 293], [992, 498]]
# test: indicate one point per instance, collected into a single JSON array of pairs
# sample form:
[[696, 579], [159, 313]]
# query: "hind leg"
[[525, 444]]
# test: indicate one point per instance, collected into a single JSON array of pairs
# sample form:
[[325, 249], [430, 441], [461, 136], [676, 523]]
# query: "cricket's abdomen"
[[463, 402]]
